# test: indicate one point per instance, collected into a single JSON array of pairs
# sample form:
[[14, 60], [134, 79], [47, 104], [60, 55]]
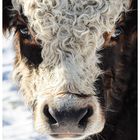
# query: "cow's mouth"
[[66, 135]]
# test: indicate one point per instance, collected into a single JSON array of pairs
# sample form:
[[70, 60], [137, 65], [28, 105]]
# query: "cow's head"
[[56, 66]]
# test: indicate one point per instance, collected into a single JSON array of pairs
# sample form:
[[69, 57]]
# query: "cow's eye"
[[25, 32], [117, 33]]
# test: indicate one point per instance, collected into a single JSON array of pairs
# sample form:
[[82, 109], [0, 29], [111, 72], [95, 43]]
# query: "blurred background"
[[17, 118]]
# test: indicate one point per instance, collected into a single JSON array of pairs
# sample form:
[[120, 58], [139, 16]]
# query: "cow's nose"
[[64, 119]]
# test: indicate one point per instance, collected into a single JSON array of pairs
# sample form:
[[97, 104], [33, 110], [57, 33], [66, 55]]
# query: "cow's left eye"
[[117, 33]]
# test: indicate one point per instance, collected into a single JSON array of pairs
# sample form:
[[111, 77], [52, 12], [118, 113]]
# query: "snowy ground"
[[17, 119]]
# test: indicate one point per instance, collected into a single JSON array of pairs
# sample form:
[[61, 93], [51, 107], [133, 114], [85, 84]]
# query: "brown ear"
[[8, 15]]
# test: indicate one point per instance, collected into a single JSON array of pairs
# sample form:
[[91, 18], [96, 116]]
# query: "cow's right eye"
[[25, 33]]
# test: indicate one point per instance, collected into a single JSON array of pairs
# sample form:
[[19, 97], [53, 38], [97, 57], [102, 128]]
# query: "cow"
[[76, 65]]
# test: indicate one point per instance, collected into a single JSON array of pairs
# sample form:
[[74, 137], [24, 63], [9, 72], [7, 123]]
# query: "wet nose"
[[72, 120]]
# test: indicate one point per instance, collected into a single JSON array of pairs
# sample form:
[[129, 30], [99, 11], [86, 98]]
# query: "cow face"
[[56, 64]]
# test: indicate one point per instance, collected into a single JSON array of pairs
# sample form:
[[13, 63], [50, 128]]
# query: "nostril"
[[50, 117], [84, 120], [79, 117]]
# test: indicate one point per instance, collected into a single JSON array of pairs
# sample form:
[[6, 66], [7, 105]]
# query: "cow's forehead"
[[63, 19]]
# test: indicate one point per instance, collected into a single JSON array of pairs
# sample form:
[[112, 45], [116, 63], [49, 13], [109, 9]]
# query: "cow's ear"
[[8, 17]]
